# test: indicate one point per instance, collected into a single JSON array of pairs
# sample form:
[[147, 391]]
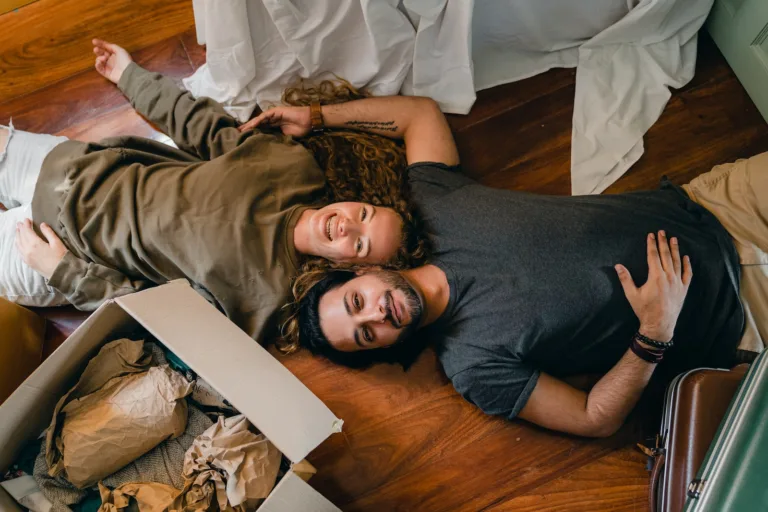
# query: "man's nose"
[[376, 315]]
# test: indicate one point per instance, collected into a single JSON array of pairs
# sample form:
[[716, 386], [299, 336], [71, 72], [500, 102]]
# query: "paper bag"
[[118, 411]]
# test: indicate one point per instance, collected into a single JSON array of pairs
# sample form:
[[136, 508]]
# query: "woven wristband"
[[646, 354]]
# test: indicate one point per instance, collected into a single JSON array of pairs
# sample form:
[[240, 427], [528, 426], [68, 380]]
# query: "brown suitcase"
[[695, 404]]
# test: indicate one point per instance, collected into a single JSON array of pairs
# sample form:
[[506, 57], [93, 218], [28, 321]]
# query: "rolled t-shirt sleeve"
[[499, 389]]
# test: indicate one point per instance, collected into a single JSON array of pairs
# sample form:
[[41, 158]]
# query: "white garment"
[[20, 165], [622, 86], [254, 49], [628, 52]]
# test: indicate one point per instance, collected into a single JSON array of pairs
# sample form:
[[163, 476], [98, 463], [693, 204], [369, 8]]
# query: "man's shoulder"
[[433, 180], [499, 389]]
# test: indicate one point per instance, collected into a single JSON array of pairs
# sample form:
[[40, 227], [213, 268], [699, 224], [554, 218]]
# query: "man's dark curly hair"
[[302, 328]]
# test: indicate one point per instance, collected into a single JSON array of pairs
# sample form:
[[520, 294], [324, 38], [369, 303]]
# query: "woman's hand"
[[291, 120], [658, 302], [42, 257], [111, 60]]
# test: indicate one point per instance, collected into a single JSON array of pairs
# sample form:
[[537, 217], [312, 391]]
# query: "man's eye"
[[359, 245]]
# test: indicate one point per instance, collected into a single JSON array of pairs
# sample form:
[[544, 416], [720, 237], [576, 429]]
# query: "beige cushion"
[[21, 345]]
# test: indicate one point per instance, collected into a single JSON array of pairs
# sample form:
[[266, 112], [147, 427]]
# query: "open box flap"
[[248, 376], [293, 493]]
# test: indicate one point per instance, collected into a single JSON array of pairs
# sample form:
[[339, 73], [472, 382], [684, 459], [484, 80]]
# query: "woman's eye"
[[356, 300], [364, 214], [367, 335], [359, 245]]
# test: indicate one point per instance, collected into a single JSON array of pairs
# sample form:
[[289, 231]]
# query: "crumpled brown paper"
[[228, 468], [249, 461], [152, 497], [119, 410]]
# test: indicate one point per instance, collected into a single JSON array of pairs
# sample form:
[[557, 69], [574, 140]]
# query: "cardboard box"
[[253, 381]]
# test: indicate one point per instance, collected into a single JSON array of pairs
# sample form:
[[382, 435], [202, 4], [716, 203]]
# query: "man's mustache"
[[388, 307]]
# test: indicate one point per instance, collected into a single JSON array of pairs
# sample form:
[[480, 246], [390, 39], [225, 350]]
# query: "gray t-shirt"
[[533, 285]]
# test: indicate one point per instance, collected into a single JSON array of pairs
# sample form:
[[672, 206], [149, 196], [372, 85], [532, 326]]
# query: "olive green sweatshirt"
[[219, 211]]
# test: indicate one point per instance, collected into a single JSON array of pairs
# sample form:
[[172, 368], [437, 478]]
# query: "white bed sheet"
[[628, 53]]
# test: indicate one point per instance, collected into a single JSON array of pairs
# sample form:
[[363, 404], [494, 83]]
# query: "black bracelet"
[[650, 355], [654, 343]]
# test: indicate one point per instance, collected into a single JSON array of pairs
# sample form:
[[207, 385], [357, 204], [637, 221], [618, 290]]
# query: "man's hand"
[[111, 60], [291, 120], [658, 302], [42, 257]]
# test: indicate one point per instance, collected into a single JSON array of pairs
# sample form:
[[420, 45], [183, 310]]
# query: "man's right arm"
[[416, 120], [601, 412]]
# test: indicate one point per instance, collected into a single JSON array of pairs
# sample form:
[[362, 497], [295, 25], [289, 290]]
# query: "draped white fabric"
[[628, 53]]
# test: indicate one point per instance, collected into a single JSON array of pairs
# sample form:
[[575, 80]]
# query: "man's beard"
[[413, 303]]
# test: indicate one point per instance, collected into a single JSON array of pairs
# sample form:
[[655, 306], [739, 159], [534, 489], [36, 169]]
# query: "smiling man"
[[524, 290]]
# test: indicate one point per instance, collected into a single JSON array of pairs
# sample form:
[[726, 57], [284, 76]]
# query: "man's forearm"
[[416, 120], [390, 116], [615, 395]]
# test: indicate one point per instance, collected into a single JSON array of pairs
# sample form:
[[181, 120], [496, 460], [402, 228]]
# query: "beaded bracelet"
[[654, 343]]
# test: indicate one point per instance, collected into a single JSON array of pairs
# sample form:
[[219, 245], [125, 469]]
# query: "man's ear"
[[369, 268]]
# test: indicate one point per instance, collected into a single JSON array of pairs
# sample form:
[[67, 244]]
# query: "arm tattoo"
[[384, 126]]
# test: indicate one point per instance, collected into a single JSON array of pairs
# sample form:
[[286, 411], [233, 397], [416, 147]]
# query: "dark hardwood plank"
[[49, 40], [10, 5], [412, 436], [511, 461], [617, 482], [84, 97], [195, 52], [120, 121], [497, 100], [523, 148]]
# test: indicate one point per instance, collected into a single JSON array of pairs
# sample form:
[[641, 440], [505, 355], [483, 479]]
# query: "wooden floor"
[[410, 443]]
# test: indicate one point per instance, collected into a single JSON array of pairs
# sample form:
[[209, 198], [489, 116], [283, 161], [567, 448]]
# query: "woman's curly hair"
[[361, 166], [358, 166]]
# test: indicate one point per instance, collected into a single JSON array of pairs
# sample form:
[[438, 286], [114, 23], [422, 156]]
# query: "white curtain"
[[627, 54]]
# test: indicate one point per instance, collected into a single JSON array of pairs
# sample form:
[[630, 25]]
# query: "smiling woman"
[[362, 166], [350, 233]]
